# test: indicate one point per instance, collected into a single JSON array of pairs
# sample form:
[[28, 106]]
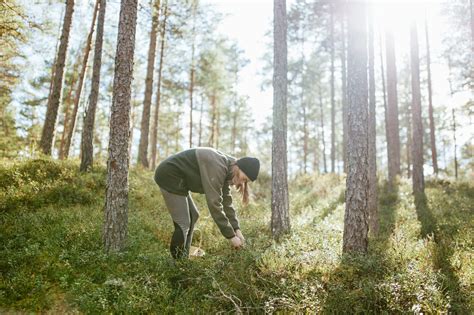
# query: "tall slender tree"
[[116, 204], [192, 72], [46, 143], [372, 159], [154, 130], [417, 123], [280, 222], [384, 90], [393, 136], [145, 124], [80, 84], [344, 86], [434, 154], [68, 102], [321, 116], [356, 215], [87, 149], [333, 101]]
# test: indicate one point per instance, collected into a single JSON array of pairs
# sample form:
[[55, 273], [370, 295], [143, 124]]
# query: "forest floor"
[[51, 256]]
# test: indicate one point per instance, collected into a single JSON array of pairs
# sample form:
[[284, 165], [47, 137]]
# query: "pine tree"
[[417, 124], [280, 200], [80, 84], [145, 123], [154, 130], [393, 137], [372, 158], [87, 150], [116, 205], [357, 184], [47, 136]]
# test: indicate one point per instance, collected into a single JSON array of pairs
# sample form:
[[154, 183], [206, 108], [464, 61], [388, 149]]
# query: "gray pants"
[[184, 213]]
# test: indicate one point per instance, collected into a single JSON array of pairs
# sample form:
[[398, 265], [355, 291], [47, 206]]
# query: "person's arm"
[[213, 172], [229, 207]]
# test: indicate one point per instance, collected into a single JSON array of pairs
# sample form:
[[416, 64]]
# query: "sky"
[[247, 21]]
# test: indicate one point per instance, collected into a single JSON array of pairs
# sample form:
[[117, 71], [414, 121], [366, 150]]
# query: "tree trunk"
[[47, 135], [434, 154], [145, 123], [116, 204], [393, 136], [333, 102], [234, 129], [305, 139], [68, 102], [200, 121], [384, 90], [133, 115], [344, 91], [417, 123], [218, 120], [303, 106], [409, 140], [322, 129], [372, 159], [191, 75], [154, 133], [280, 222], [212, 137], [87, 149], [455, 146], [357, 185], [80, 84]]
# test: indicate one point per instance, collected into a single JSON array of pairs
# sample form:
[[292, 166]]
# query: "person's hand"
[[235, 242], [239, 234]]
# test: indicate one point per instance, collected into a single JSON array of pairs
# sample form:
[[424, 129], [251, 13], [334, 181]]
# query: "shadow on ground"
[[352, 285], [442, 251]]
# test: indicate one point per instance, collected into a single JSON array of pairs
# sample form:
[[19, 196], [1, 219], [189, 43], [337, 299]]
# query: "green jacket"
[[205, 171]]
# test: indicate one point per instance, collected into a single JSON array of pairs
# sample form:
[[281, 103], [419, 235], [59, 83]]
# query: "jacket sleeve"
[[229, 208], [213, 172]]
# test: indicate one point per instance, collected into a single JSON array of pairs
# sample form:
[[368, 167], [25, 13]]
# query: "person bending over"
[[209, 172]]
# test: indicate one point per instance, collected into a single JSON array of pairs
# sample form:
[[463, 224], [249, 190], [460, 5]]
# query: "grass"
[[52, 260]]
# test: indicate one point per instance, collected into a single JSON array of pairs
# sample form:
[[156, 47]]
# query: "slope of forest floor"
[[51, 255]]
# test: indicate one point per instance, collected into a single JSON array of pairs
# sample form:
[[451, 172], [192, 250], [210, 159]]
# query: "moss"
[[51, 256]]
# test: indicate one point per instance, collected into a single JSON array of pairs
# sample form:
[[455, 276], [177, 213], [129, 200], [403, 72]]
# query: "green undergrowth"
[[52, 260]]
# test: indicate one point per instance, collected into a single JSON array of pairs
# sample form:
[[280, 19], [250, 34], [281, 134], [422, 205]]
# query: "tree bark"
[[417, 123], [384, 90], [280, 222], [409, 140], [372, 159], [235, 115], [87, 149], [303, 105], [212, 137], [145, 123], [69, 100], [47, 135], [200, 121], [333, 102], [116, 204], [393, 136], [455, 145], [344, 91], [322, 128], [154, 133], [434, 154], [80, 84], [191, 75], [357, 185]]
